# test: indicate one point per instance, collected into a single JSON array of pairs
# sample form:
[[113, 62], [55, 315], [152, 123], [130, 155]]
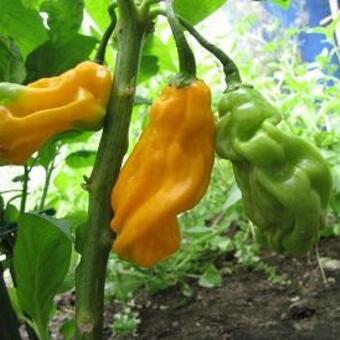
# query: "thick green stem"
[[230, 69], [187, 64], [90, 276]]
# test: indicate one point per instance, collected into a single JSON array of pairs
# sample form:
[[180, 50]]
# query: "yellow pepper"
[[167, 173], [30, 115]]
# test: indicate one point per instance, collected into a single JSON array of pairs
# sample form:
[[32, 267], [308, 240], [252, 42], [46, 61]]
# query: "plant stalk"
[[48, 177], [90, 276], [100, 55], [187, 64], [230, 69], [24, 189]]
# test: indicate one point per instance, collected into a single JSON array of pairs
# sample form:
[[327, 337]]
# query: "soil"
[[248, 305]]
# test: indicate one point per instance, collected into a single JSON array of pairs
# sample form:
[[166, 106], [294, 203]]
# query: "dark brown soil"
[[249, 306]]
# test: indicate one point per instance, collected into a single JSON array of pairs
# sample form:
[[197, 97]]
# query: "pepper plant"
[[37, 245]]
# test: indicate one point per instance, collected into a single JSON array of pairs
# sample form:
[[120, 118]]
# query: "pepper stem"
[[100, 56], [187, 63], [232, 74]]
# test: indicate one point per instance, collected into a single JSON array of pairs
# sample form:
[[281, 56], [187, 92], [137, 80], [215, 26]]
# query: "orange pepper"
[[32, 114], [167, 173]]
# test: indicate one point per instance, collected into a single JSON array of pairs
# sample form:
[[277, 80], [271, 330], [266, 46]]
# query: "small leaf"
[[80, 241], [81, 159], [12, 67], [149, 67], [55, 57], [98, 12], [195, 11], [283, 3], [68, 329], [155, 47], [18, 179], [210, 278], [31, 3], [234, 196], [42, 256], [46, 154], [11, 213], [64, 17]]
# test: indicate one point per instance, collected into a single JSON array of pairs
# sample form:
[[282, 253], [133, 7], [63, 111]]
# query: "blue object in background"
[[311, 44]]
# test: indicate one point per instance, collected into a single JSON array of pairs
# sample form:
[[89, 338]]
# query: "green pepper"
[[284, 180]]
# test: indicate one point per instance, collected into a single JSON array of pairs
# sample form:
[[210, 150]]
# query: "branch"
[[230, 69], [187, 64], [100, 56]]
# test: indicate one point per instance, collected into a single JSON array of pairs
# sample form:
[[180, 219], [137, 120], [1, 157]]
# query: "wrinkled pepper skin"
[[285, 182], [167, 173], [30, 115]]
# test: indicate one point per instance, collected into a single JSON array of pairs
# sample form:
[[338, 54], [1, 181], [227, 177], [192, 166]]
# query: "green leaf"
[[11, 213], [97, 9], [55, 57], [155, 47], [195, 11], [283, 3], [42, 256], [149, 67], [2, 205], [68, 329], [31, 3], [210, 278], [64, 17], [22, 24], [18, 179], [81, 159], [12, 293], [234, 196], [46, 154], [74, 137], [12, 67]]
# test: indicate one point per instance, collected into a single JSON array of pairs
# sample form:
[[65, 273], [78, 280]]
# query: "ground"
[[248, 305]]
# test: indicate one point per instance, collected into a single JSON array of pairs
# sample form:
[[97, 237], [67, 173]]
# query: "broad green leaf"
[[42, 256], [12, 293], [81, 159], [97, 10], [210, 278], [64, 16], [12, 66], [22, 24], [195, 11], [55, 57]]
